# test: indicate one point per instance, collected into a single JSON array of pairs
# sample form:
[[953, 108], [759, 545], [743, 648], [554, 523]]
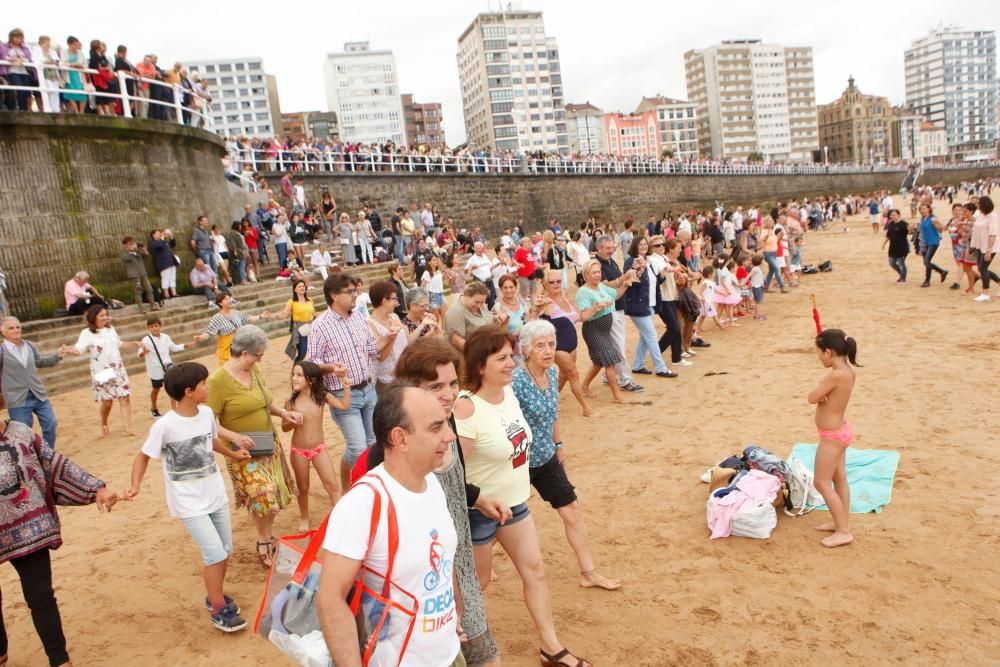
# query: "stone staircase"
[[183, 318]]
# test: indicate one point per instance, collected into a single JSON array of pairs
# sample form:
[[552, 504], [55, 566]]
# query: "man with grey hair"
[[411, 429], [480, 267], [611, 275], [81, 295], [23, 390]]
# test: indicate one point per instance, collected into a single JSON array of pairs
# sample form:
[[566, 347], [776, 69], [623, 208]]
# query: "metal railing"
[[339, 160], [171, 106]]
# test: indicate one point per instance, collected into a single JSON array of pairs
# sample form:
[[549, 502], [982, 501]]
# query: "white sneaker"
[[982, 297], [685, 354], [706, 477], [683, 362]]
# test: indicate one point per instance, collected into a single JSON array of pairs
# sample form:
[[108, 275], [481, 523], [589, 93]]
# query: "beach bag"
[[802, 495], [756, 521], [386, 615]]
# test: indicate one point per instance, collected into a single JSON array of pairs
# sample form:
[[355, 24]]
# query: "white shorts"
[[780, 261]]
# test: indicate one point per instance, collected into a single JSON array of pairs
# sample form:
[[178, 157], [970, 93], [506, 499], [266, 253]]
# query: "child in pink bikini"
[[310, 399], [838, 352]]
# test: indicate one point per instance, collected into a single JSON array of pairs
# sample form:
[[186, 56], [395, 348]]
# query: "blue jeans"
[[929, 265], [213, 533], [46, 416], [355, 423], [241, 269], [282, 254], [772, 269], [208, 257], [647, 343], [400, 249], [898, 265]]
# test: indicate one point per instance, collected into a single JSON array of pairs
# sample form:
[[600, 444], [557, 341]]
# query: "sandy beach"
[[920, 585]]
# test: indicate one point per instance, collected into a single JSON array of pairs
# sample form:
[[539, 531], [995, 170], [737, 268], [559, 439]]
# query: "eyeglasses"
[[351, 291], [557, 281]]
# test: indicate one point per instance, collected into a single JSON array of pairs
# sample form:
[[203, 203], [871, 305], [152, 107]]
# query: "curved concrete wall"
[[71, 186], [497, 201]]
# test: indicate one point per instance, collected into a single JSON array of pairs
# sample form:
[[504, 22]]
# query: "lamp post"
[[826, 155]]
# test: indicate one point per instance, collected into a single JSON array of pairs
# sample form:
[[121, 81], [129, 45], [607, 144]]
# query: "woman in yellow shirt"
[[302, 310]]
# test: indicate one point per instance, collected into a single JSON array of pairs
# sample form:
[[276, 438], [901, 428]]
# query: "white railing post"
[[178, 108], [123, 93]]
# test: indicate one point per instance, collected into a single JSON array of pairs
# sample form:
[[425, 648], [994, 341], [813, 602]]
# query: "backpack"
[[802, 494]]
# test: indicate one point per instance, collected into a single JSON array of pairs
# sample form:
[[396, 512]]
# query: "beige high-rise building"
[[511, 83], [754, 98], [856, 127]]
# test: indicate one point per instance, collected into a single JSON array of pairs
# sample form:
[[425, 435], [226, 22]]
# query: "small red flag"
[[819, 327]]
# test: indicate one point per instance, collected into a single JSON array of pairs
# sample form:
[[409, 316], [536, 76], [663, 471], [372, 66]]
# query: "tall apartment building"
[[243, 102], [951, 79], [678, 123], [754, 98], [856, 127], [422, 122], [361, 87], [511, 83], [585, 129], [906, 134]]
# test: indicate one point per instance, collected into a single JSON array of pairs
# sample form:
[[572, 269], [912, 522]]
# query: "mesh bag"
[[385, 613]]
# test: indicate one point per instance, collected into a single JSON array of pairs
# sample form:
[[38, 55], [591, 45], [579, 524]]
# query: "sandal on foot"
[[556, 659], [265, 555]]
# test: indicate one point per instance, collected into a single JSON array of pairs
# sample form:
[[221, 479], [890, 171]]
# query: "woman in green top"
[[596, 303], [243, 404]]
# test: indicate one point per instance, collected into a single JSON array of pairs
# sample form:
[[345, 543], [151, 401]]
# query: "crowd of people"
[[444, 381]]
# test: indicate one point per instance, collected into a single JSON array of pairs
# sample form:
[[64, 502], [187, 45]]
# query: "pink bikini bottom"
[[844, 434], [309, 454]]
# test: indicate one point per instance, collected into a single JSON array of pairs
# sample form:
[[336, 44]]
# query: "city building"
[[361, 88], [310, 125], [511, 83], [678, 124], [754, 99], [933, 141], [906, 134], [422, 121], [951, 80], [856, 127], [585, 129], [244, 101], [632, 135]]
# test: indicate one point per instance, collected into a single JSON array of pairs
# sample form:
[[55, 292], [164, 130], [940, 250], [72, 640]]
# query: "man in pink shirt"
[[80, 294]]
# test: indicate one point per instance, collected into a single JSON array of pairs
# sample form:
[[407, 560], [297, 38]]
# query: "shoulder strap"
[[157, 351]]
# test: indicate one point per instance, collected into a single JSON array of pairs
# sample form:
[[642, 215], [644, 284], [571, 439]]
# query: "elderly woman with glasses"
[[244, 406], [418, 315]]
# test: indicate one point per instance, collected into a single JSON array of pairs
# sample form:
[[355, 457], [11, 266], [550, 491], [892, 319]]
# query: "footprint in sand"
[[707, 614]]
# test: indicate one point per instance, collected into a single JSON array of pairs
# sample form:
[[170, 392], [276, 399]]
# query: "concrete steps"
[[183, 318]]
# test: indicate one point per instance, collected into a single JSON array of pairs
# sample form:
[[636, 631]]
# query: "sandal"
[[265, 556], [556, 660]]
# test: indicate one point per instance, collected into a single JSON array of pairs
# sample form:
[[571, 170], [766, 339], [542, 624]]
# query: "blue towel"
[[869, 474]]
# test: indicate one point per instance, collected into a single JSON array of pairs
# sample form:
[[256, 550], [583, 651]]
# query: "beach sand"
[[920, 584]]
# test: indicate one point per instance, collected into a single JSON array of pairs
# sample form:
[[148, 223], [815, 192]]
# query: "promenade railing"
[[169, 100]]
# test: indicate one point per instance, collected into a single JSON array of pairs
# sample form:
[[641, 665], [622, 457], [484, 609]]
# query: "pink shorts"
[[309, 454], [844, 434]]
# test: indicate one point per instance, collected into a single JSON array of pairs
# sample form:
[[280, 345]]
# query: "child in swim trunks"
[[836, 351], [310, 399]]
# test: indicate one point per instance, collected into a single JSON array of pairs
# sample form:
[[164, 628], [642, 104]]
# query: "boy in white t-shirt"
[[412, 428], [155, 348], [185, 439]]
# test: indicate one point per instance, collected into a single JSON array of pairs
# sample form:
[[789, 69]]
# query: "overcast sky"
[[611, 54]]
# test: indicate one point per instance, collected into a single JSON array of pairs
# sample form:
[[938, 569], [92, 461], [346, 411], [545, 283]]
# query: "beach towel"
[[869, 473]]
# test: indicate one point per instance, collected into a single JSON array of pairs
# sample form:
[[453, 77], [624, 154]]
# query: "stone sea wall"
[[72, 186]]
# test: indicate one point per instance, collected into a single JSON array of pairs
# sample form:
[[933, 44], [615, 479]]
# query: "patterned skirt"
[[264, 484], [597, 336], [116, 387]]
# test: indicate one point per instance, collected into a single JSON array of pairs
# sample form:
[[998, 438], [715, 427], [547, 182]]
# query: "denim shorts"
[[435, 300], [484, 529], [213, 533], [758, 294]]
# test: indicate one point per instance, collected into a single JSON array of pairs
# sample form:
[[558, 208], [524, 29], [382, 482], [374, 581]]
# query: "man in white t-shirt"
[[412, 428], [299, 193], [480, 267], [320, 261]]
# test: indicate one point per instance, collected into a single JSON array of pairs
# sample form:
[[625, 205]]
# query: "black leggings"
[[984, 268], [672, 336], [35, 571], [929, 265]]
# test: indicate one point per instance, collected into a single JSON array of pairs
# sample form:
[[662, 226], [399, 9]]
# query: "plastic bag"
[[750, 520]]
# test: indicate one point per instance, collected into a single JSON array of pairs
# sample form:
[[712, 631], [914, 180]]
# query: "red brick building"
[[423, 123]]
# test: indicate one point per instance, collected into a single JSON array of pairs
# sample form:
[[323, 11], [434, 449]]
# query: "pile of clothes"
[[744, 492]]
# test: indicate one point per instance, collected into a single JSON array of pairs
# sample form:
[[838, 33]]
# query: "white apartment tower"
[[361, 87], [754, 98], [242, 102], [951, 80], [511, 83]]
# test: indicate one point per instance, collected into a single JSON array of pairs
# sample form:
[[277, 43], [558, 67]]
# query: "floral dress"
[[107, 371]]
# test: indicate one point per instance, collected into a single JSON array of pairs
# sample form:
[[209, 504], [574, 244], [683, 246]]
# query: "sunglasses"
[[557, 281], [657, 245]]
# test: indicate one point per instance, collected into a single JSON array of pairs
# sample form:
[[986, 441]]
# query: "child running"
[[185, 438], [310, 398], [837, 352]]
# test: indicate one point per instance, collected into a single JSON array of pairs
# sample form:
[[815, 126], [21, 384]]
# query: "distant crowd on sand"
[[444, 380]]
